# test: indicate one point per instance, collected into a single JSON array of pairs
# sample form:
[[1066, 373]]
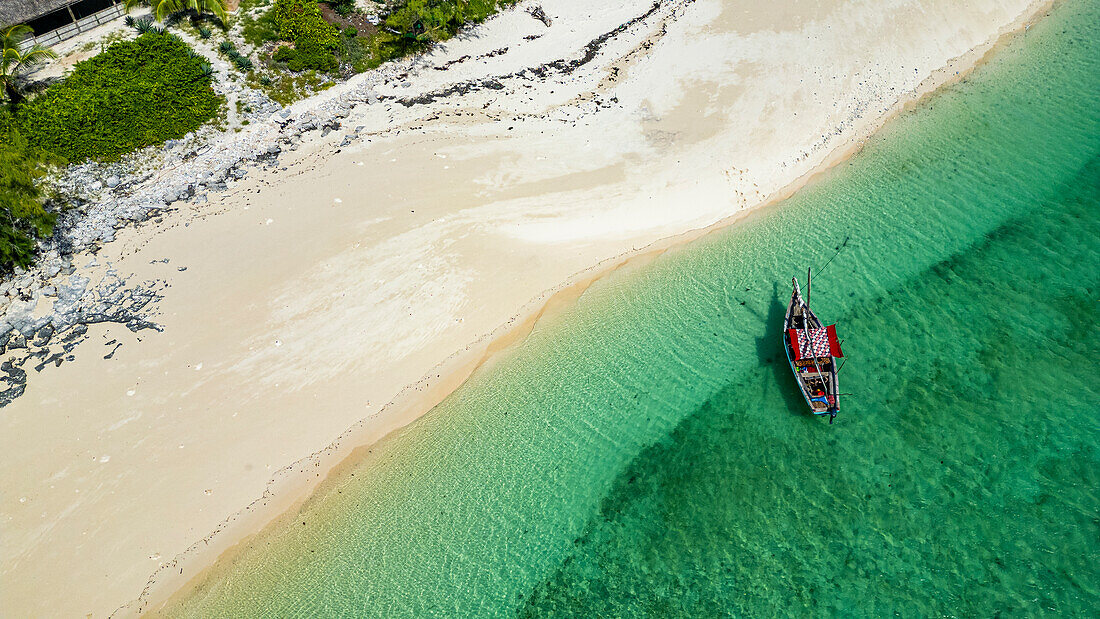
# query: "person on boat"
[[818, 395]]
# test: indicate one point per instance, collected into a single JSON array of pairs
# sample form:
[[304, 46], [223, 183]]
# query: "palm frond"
[[12, 36], [128, 5], [37, 54]]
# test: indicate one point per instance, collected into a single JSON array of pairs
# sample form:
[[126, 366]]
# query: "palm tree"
[[163, 8], [15, 62]]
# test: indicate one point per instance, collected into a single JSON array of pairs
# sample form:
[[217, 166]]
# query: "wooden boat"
[[812, 350]]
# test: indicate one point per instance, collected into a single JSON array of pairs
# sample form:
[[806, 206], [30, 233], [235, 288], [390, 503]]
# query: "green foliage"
[[417, 24], [283, 54], [15, 61], [301, 21], [355, 51], [163, 9], [242, 62], [438, 20], [285, 88], [146, 25], [257, 31], [205, 32], [22, 218], [314, 39], [134, 94], [306, 57], [409, 29], [343, 7]]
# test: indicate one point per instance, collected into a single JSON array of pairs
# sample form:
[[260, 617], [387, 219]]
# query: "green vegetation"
[[257, 31], [310, 48], [314, 39], [15, 63], [240, 60], [306, 57], [135, 94], [162, 9], [343, 7], [23, 220], [286, 88], [300, 21], [419, 23]]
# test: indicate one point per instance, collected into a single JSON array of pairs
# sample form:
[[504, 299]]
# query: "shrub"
[[351, 33], [243, 63], [205, 33], [22, 218], [283, 54], [226, 46], [307, 56], [438, 20], [134, 94], [301, 21]]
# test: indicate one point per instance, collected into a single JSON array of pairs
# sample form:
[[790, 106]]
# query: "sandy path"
[[314, 295]]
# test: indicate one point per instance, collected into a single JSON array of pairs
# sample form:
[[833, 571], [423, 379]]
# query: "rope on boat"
[[838, 248]]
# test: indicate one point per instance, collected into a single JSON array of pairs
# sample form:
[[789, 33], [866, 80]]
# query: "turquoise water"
[[646, 453]]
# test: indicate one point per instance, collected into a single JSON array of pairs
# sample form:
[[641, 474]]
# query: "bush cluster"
[[134, 94], [23, 220], [438, 20], [314, 38], [301, 21], [307, 56], [418, 23]]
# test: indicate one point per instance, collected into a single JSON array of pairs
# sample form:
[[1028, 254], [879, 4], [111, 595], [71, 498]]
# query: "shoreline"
[[299, 482]]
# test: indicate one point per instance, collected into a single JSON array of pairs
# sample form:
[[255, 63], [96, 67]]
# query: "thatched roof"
[[22, 11]]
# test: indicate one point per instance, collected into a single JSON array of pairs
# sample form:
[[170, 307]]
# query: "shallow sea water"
[[646, 453]]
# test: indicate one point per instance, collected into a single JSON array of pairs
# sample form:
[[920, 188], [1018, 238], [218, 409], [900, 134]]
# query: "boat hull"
[[817, 376]]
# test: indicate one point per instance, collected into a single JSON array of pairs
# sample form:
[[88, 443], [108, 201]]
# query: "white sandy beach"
[[327, 303]]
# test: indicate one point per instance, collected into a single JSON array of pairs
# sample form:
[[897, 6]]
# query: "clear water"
[[646, 453]]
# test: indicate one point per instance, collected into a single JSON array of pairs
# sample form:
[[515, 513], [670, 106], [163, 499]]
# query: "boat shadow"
[[769, 348]]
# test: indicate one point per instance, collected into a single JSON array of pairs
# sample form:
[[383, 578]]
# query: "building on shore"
[[54, 21]]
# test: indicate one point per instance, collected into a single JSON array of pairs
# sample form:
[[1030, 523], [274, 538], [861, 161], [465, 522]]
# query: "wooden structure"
[[54, 21]]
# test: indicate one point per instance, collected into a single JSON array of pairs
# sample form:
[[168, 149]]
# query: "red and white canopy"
[[823, 341]]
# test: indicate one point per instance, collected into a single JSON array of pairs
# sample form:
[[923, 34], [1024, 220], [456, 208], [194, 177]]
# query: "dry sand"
[[380, 272]]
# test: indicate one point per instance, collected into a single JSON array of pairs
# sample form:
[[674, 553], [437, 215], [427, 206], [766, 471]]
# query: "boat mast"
[[807, 287], [810, 342]]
